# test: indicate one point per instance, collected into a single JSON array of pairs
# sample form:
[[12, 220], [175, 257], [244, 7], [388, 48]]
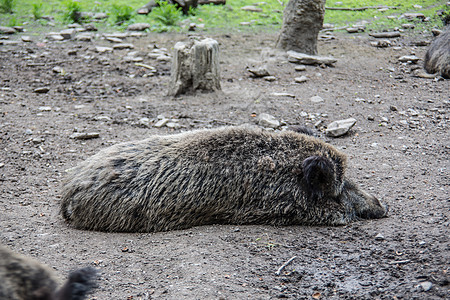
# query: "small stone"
[[426, 286], [90, 27], [381, 43], [123, 46], [300, 68], [352, 29], [408, 26], [379, 237], [269, 78], [340, 127], [411, 58], [114, 40], [100, 16], [41, 90], [85, 37], [173, 125], [102, 118], [305, 59], [411, 16], [283, 95], [7, 30], [58, 70], [259, 72], [370, 118], [68, 34], [28, 131], [267, 120], [44, 108], [138, 27], [252, 8], [391, 34], [26, 38], [72, 52], [85, 135], [301, 79], [103, 49], [393, 108], [161, 123], [55, 37], [316, 99], [144, 121]]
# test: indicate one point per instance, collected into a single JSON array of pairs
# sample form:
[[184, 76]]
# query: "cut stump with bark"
[[195, 66], [302, 21]]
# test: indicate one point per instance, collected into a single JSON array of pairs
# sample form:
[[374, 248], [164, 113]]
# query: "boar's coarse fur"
[[437, 58], [230, 175], [23, 278]]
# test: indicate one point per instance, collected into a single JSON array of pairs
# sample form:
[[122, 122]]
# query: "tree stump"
[[302, 21], [195, 66]]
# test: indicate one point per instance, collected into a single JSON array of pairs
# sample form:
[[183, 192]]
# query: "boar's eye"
[[318, 175]]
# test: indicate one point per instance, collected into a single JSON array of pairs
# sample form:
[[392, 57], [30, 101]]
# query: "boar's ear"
[[318, 175]]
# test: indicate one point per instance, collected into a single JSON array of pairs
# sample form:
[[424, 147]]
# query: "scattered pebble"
[[41, 90], [267, 120], [259, 72], [300, 68], [301, 79], [426, 286], [340, 127], [412, 58], [316, 99], [85, 135], [379, 237]]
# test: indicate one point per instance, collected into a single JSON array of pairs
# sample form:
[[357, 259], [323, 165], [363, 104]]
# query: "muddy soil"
[[398, 150]]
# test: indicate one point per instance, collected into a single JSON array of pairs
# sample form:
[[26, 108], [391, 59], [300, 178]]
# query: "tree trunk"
[[195, 66], [302, 21]]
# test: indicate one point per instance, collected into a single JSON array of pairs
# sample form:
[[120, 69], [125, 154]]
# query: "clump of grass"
[[7, 6], [167, 14], [73, 12], [37, 10], [121, 13]]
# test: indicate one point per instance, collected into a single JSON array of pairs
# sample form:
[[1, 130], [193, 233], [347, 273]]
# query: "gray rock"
[[7, 30], [259, 72], [123, 46], [55, 37], [3, 42], [411, 16], [100, 16], [340, 127], [300, 68], [301, 58], [85, 37], [391, 34], [301, 79], [173, 125], [114, 40], [26, 38], [412, 58], [267, 120], [103, 49], [162, 122], [144, 121], [379, 237], [44, 108], [408, 26], [426, 286], [283, 95], [138, 27], [269, 78], [316, 99], [68, 34], [381, 43], [252, 8], [102, 118], [41, 90], [85, 135]]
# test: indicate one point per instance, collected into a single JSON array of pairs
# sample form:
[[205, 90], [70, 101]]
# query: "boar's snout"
[[373, 208]]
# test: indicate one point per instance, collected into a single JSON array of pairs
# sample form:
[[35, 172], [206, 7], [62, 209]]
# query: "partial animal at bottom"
[[23, 278], [229, 175]]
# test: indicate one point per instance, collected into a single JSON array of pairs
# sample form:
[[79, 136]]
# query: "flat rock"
[[426, 286], [316, 99], [85, 135], [41, 90], [301, 79], [161, 123], [340, 127], [86, 37], [269, 78], [6, 42], [301, 58], [252, 8], [26, 38], [123, 46], [100, 49], [411, 58], [138, 27], [300, 68], [411, 16], [381, 43], [114, 40], [267, 120], [283, 95], [7, 30], [68, 34], [259, 72], [391, 34], [55, 37], [100, 16]]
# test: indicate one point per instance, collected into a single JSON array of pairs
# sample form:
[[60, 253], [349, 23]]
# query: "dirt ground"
[[398, 150]]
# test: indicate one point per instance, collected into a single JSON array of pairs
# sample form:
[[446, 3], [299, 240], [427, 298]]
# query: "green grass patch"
[[229, 17]]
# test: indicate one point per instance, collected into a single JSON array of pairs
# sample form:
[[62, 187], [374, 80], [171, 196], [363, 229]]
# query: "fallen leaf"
[[316, 295]]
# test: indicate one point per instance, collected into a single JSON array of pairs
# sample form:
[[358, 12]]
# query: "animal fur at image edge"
[[230, 175]]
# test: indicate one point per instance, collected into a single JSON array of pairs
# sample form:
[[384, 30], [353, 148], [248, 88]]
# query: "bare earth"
[[398, 150]]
